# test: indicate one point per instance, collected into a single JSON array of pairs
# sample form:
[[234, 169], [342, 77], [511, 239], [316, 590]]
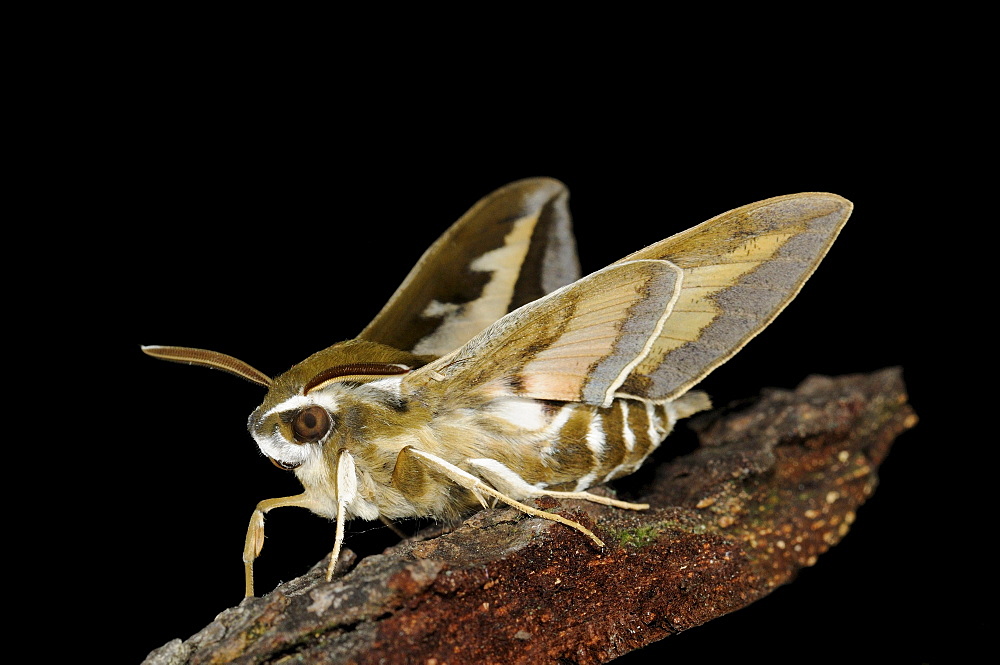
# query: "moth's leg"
[[595, 498], [502, 476], [392, 527], [347, 494], [412, 459], [255, 533]]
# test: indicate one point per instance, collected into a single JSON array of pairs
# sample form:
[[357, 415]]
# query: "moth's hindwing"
[[657, 322]]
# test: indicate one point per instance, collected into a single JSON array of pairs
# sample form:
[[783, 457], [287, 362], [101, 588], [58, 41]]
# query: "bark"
[[773, 484]]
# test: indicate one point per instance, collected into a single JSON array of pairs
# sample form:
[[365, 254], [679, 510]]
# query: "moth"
[[496, 374]]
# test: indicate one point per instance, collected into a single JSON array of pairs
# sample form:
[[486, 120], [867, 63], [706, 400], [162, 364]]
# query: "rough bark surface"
[[774, 484]]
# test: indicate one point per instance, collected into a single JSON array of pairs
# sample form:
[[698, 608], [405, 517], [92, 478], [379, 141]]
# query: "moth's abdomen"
[[591, 445], [575, 446]]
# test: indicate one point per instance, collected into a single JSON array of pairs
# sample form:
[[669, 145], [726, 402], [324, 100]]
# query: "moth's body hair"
[[523, 447]]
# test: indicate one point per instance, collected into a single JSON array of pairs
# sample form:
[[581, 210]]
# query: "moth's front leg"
[[416, 470], [255, 532]]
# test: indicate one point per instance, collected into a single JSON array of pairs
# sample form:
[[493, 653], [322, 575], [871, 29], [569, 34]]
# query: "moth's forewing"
[[511, 248], [740, 270]]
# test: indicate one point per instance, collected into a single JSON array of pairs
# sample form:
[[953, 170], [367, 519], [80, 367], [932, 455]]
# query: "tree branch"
[[773, 484]]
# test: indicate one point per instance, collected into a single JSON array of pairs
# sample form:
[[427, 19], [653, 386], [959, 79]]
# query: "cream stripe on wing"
[[463, 322]]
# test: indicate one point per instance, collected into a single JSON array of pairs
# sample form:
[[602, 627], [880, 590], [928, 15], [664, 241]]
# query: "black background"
[[212, 223]]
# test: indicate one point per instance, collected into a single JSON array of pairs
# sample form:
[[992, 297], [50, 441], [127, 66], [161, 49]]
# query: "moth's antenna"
[[213, 359]]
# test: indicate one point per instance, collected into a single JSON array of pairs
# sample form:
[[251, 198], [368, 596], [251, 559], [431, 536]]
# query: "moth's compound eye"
[[287, 466], [311, 424]]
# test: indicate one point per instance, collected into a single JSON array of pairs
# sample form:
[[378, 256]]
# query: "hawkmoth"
[[496, 374]]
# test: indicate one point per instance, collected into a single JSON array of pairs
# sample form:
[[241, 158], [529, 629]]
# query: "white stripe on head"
[[276, 446]]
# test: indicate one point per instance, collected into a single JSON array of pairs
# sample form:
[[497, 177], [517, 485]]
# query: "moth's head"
[[305, 407], [313, 405], [289, 431]]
